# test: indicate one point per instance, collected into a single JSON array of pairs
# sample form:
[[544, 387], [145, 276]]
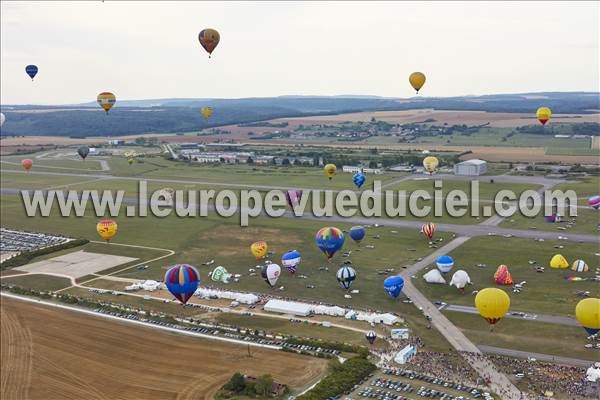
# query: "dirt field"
[[76, 264], [55, 354]]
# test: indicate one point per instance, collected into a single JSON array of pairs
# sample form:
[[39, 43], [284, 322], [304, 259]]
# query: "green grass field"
[[38, 282], [546, 293]]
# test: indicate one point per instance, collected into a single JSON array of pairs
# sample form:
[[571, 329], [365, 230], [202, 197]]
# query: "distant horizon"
[[300, 96]]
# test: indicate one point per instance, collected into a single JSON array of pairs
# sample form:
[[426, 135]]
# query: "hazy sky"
[[150, 49]]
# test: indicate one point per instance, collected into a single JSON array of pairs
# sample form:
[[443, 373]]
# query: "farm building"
[[471, 168]]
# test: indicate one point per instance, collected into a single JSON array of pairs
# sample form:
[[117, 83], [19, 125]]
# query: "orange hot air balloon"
[[107, 229], [27, 164], [106, 100], [259, 249], [209, 39]]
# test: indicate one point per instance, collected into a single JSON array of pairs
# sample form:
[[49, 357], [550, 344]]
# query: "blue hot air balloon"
[[359, 179], [329, 240], [357, 233], [182, 280], [444, 263], [291, 260], [346, 276], [31, 70], [393, 285]]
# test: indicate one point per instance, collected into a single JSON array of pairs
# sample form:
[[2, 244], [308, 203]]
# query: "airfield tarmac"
[[53, 354]]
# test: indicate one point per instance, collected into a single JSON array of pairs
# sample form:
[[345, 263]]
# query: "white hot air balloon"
[[460, 279], [434, 276], [270, 273]]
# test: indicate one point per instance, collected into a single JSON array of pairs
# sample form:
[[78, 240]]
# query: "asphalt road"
[[552, 319]]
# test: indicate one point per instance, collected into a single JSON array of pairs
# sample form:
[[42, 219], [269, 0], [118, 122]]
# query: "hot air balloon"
[[107, 229], [559, 262], [2, 119], [492, 304], [291, 260], [594, 202], [106, 100], [83, 151], [428, 230], [434, 276], [460, 279], [371, 336], [393, 285], [587, 313], [430, 164], [346, 276], [220, 274], [31, 70], [259, 249], [417, 80], [209, 39], [444, 263], [182, 280], [502, 276], [27, 164], [270, 273], [579, 266], [543, 115], [329, 240], [130, 160], [206, 112], [330, 170], [357, 233], [293, 197], [359, 179]]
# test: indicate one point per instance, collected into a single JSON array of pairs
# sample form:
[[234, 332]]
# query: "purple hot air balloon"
[[293, 197]]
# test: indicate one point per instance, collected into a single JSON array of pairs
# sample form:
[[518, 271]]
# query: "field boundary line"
[[134, 322]]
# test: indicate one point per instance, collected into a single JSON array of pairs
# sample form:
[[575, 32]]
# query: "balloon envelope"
[[502, 276], [417, 80], [330, 170], [83, 151], [445, 263], [587, 313], [346, 276], [182, 280], [371, 336], [430, 164], [393, 285], [206, 112], [27, 164], [106, 100], [559, 262], [329, 240], [107, 229], [31, 70], [594, 202], [359, 179], [460, 279], [209, 39], [357, 233], [492, 304], [543, 115], [259, 249], [291, 260], [434, 276], [579, 266], [428, 230], [270, 273]]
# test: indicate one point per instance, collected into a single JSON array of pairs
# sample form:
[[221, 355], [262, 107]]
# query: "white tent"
[[244, 298], [434, 276], [288, 307]]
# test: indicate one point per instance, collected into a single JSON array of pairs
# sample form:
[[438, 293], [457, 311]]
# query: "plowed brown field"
[[56, 354]]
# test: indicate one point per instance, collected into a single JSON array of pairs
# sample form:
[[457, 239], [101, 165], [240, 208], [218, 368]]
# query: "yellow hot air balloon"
[[106, 100], [543, 114], [259, 249], [209, 39], [587, 313], [130, 160], [206, 112], [417, 80], [107, 228], [559, 262], [492, 304], [430, 164], [330, 170]]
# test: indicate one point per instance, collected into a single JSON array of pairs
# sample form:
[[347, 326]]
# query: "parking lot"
[[399, 384]]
